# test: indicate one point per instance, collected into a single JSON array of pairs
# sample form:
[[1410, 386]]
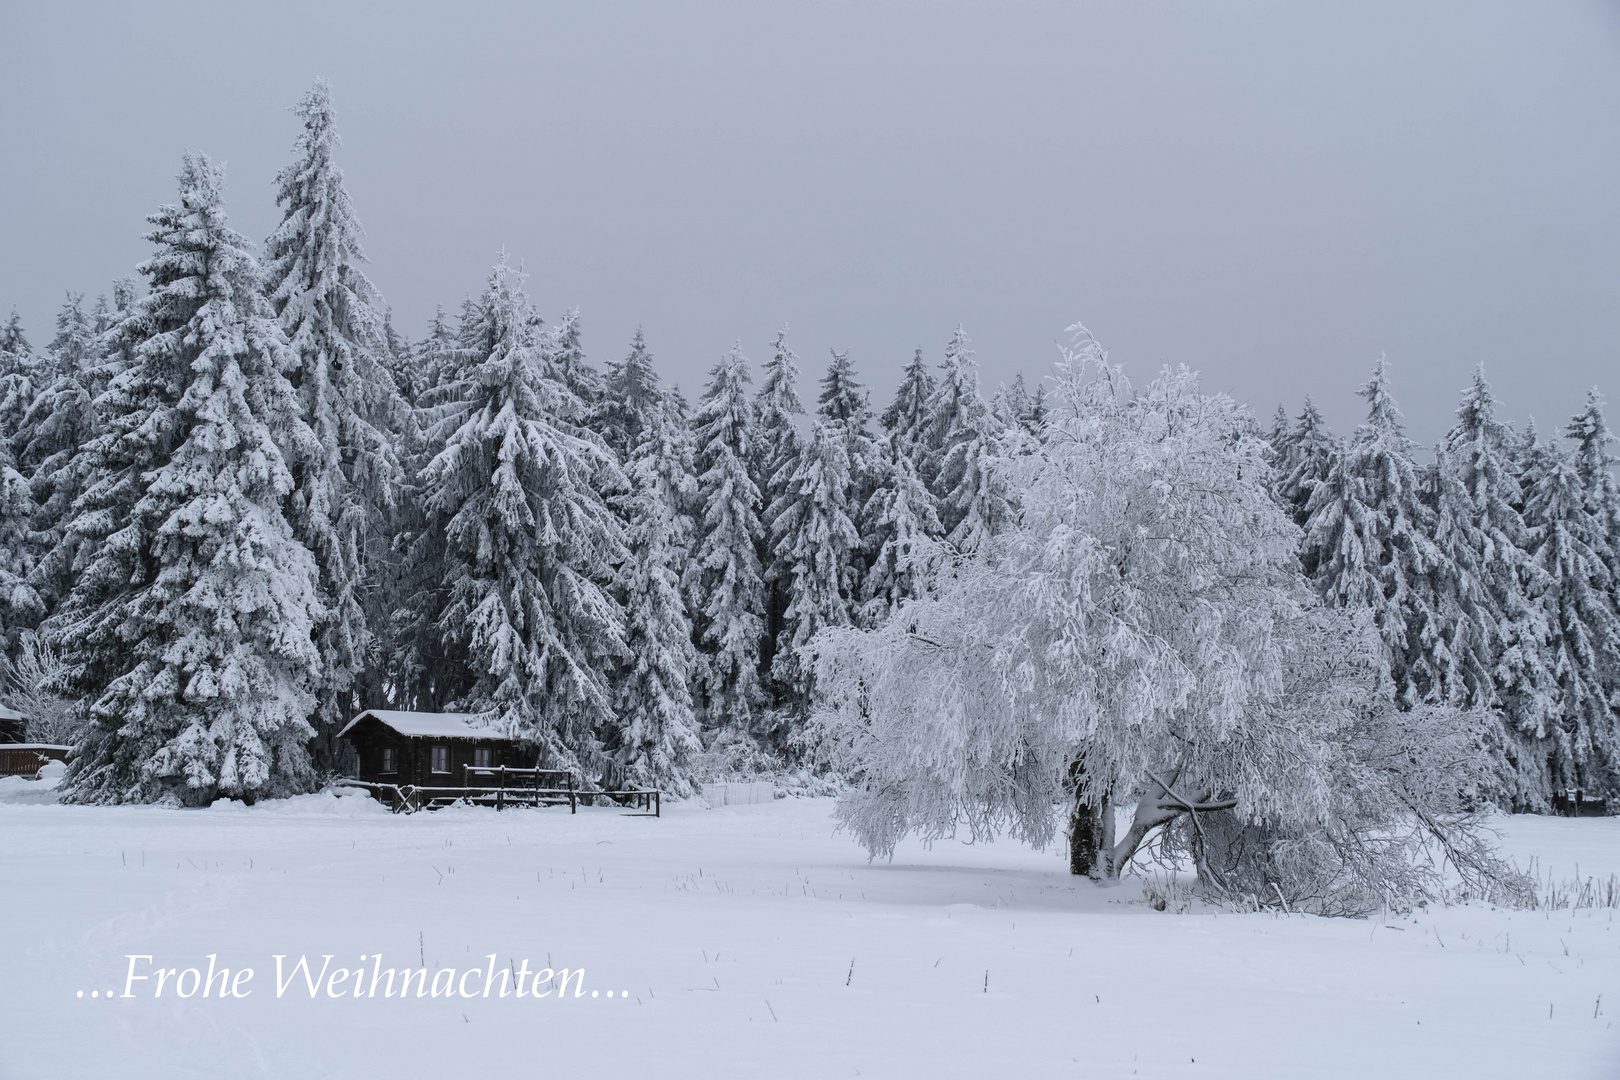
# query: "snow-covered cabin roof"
[[8, 713], [429, 724]]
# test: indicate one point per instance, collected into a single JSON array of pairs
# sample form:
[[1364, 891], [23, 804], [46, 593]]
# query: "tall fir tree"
[[516, 491], [436, 355], [1311, 451], [724, 579], [658, 729], [1567, 548], [188, 633], [20, 378], [844, 401], [901, 534], [631, 400], [1015, 407], [953, 408], [1495, 633], [776, 450], [1595, 462], [965, 441], [346, 480], [16, 354], [56, 428], [815, 538], [1368, 538], [399, 357], [565, 352], [907, 419], [21, 607]]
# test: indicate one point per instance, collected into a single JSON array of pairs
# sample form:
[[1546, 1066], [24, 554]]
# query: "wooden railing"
[[503, 786]]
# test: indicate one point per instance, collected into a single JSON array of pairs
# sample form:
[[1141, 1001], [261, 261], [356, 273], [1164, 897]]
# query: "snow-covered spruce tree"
[[901, 535], [58, 424], [1143, 636], [724, 582], [1595, 462], [346, 480], [20, 377], [411, 581], [966, 443], [1015, 407], [1567, 548], [776, 450], [517, 494], [20, 605], [843, 400], [1368, 538], [631, 400], [1311, 453], [1492, 631], [437, 355], [907, 419], [188, 632], [813, 537], [399, 357], [954, 405], [657, 729], [16, 354], [977, 500], [566, 355]]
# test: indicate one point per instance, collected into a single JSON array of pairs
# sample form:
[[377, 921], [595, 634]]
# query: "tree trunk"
[[1090, 840]]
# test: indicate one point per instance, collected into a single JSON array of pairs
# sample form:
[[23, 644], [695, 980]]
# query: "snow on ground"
[[752, 941]]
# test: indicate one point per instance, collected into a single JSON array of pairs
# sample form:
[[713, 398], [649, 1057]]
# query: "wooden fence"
[[501, 786]]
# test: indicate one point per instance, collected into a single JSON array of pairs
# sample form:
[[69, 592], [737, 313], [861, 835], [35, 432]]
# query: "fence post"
[[573, 807]]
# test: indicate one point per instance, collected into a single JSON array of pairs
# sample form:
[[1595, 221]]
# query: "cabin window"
[[441, 759], [390, 761], [481, 757]]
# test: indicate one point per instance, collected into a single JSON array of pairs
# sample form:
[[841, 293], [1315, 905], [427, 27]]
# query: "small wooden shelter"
[[19, 758], [417, 760], [427, 749], [12, 725]]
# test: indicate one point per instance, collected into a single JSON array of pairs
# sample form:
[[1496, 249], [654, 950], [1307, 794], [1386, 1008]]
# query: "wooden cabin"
[[427, 749], [19, 758], [12, 725]]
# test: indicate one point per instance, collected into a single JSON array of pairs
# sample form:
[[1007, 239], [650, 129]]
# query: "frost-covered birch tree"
[[1144, 638], [188, 632], [516, 492]]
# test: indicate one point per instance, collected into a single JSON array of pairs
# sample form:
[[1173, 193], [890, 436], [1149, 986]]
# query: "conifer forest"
[[237, 507]]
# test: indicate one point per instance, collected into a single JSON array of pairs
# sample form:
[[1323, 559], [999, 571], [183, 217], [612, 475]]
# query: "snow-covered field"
[[752, 942]]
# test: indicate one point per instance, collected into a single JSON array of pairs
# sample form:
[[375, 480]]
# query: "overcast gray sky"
[[1273, 193]]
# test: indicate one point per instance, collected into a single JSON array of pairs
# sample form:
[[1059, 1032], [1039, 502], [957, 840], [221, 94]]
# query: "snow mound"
[[21, 790], [333, 802]]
